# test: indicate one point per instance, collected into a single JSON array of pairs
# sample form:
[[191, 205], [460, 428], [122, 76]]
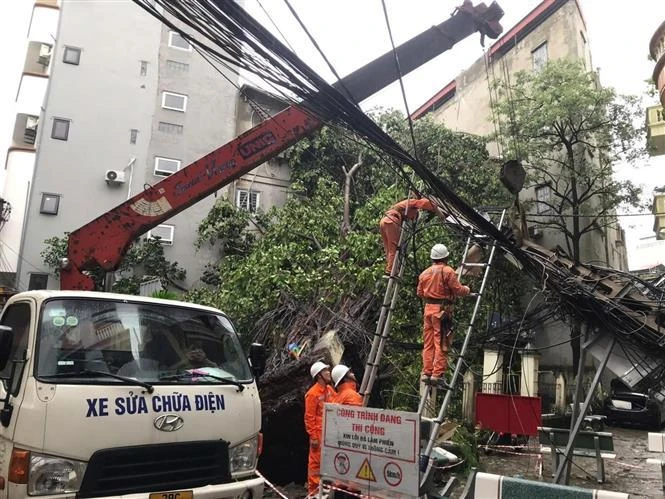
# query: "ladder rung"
[[475, 264]]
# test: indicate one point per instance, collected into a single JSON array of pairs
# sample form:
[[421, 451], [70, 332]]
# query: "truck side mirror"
[[257, 358], [6, 340]]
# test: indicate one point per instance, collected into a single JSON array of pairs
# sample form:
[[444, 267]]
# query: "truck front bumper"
[[251, 488]]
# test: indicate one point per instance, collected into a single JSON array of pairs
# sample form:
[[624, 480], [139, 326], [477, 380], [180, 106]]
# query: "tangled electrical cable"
[[227, 34]]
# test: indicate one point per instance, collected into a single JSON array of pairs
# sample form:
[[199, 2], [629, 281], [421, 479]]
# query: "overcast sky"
[[353, 32]]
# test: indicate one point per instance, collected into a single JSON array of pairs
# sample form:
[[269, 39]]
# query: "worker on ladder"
[[319, 394], [391, 224], [344, 381], [438, 286]]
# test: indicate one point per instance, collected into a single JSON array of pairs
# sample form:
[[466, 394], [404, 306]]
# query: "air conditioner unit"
[[114, 177]]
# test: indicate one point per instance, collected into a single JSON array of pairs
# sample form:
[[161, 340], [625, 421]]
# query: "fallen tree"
[[295, 337]]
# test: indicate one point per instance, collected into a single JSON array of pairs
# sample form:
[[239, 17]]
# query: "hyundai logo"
[[168, 422]]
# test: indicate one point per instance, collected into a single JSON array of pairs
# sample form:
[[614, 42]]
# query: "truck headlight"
[[242, 457], [54, 475]]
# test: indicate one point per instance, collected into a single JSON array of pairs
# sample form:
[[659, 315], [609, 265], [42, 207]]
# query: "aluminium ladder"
[[383, 325], [430, 389]]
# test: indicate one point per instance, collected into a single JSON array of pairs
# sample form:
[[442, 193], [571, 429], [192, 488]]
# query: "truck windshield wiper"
[[196, 373], [91, 372]]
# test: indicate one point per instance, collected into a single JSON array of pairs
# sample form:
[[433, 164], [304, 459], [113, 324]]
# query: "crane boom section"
[[104, 241]]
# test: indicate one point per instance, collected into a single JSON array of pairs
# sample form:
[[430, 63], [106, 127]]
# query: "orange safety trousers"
[[390, 231], [435, 349], [314, 469]]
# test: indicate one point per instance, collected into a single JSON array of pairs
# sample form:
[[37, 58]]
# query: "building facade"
[[118, 114], [555, 29], [657, 50], [656, 124]]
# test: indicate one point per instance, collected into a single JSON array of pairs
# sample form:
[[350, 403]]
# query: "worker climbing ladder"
[[383, 325], [430, 392]]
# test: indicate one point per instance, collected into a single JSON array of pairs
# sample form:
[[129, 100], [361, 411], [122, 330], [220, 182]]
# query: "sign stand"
[[375, 451]]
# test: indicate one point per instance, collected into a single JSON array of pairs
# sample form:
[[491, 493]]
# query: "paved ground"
[[629, 472]]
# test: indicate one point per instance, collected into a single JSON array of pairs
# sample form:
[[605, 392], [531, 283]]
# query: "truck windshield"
[[156, 344]]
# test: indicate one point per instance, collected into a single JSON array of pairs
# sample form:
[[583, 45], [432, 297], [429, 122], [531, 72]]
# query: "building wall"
[[469, 109], [270, 179], [106, 96], [657, 50], [19, 164], [112, 100]]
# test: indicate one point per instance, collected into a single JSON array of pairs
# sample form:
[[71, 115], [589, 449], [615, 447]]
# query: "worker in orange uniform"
[[320, 393], [438, 286], [391, 223], [344, 382]]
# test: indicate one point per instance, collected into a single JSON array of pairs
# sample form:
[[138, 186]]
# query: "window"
[[143, 341], [38, 281], [60, 129], [17, 316], [72, 56], [543, 198], [178, 42], [177, 102], [539, 56], [162, 232], [247, 200], [133, 135], [50, 204], [166, 166], [177, 66], [170, 128], [143, 68]]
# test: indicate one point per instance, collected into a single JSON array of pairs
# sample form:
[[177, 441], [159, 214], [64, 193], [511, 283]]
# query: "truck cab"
[[107, 395]]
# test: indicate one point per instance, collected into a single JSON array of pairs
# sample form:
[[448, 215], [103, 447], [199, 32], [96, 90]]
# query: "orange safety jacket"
[[409, 207], [315, 397], [347, 394], [439, 282]]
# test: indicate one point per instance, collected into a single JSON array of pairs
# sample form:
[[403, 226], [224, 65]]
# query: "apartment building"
[[657, 51], [124, 103], [656, 125], [554, 29]]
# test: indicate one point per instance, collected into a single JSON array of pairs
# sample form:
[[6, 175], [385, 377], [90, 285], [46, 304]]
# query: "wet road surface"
[[628, 472]]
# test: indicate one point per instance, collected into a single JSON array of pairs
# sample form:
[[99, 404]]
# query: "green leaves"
[[301, 252], [144, 261], [570, 133]]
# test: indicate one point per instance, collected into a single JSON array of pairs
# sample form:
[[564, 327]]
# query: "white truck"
[[107, 395]]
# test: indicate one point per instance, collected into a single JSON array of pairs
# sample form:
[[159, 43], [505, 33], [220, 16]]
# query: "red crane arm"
[[106, 239]]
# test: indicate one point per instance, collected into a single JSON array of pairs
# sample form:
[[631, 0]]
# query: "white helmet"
[[317, 367], [439, 252], [338, 373]]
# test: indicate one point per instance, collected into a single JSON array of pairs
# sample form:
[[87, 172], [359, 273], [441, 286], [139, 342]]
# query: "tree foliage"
[[571, 133], [303, 252], [144, 261]]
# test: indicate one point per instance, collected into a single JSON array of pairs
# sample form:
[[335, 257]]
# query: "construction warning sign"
[[372, 450]]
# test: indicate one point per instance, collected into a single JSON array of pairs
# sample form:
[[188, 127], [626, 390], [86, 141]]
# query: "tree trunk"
[[576, 328], [348, 177]]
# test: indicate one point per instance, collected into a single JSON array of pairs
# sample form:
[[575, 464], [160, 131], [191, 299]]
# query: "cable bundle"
[[224, 32]]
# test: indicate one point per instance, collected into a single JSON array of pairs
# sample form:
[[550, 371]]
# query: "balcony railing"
[[38, 58], [659, 212], [656, 130], [657, 45], [25, 130]]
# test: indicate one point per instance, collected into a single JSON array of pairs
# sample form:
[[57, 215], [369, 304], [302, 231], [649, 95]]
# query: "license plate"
[[175, 494]]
